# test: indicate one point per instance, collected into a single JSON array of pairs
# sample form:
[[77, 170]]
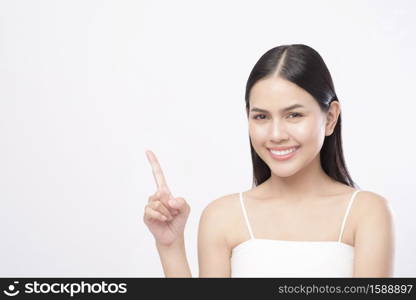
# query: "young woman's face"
[[271, 126]]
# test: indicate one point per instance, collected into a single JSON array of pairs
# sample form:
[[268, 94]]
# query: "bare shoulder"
[[221, 210], [213, 246], [374, 213], [220, 204], [220, 217], [374, 238], [371, 204]]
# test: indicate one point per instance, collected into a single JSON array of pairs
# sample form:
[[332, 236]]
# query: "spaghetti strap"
[[346, 214], [245, 215]]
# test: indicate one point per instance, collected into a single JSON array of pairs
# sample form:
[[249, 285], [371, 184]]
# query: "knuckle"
[[149, 212]]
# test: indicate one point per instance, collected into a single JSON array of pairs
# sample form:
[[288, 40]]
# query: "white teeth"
[[282, 152]]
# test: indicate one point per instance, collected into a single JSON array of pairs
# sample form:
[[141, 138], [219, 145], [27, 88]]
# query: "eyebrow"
[[281, 110]]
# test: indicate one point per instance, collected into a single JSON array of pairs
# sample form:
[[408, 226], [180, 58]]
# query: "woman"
[[304, 216]]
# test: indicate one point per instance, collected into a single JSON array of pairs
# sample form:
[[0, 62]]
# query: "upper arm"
[[374, 238], [213, 251]]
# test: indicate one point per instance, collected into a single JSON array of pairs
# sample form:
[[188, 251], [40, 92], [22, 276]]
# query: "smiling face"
[[271, 125]]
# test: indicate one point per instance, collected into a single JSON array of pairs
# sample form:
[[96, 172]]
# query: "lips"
[[284, 156]]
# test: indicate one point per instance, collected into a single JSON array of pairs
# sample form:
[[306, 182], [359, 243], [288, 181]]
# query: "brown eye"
[[255, 117], [299, 115]]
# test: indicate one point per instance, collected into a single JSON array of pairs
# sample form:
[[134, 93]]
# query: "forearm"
[[173, 258]]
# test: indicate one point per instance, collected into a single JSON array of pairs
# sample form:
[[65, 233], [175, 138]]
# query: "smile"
[[283, 155]]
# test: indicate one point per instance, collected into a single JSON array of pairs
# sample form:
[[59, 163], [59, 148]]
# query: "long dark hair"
[[303, 66]]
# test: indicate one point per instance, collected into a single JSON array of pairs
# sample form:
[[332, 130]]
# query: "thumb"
[[178, 203]]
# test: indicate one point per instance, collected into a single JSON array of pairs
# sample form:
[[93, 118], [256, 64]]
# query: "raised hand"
[[164, 215]]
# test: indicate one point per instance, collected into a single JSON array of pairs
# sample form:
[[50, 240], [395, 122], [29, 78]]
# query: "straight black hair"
[[303, 66]]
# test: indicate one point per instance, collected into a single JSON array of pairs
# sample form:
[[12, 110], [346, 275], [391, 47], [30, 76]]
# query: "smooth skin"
[[298, 202]]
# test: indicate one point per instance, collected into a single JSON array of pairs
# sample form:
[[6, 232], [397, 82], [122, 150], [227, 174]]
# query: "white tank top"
[[282, 258]]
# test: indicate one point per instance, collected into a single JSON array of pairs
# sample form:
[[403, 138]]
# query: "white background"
[[87, 86]]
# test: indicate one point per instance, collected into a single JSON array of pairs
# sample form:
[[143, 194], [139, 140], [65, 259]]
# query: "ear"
[[332, 117]]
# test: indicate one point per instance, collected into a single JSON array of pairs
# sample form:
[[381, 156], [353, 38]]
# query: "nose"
[[277, 131]]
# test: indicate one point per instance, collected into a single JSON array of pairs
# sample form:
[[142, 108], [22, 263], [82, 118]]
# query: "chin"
[[281, 172]]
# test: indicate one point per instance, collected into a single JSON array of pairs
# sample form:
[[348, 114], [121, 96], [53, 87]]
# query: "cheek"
[[259, 136], [257, 132], [310, 132], [306, 131]]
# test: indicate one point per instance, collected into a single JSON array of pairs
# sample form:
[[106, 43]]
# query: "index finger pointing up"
[[157, 171]]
